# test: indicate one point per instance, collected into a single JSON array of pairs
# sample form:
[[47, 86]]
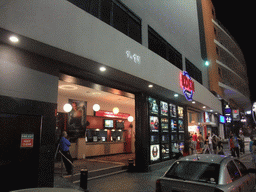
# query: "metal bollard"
[[83, 179], [130, 165]]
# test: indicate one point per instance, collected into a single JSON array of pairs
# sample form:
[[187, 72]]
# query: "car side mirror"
[[252, 170]]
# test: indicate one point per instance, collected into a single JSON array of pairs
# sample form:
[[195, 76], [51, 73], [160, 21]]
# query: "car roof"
[[210, 158]]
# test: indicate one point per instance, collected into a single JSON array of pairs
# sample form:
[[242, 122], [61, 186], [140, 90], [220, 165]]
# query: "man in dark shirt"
[[64, 147]]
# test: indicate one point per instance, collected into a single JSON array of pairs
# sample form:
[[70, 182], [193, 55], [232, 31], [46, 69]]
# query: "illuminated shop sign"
[[111, 114], [187, 85], [133, 57]]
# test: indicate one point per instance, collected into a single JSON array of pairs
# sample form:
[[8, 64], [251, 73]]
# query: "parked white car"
[[207, 173]]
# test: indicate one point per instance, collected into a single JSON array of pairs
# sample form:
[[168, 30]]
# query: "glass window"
[[120, 19], [85, 5], [193, 71], [241, 167], [105, 11], [135, 30], [195, 171], [113, 13], [233, 171], [174, 57], [156, 44]]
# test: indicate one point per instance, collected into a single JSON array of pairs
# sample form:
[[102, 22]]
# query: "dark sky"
[[238, 17]]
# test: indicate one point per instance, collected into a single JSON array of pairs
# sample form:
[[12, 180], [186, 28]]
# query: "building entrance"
[[100, 124]]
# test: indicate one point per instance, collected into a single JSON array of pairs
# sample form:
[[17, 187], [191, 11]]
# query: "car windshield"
[[195, 171]]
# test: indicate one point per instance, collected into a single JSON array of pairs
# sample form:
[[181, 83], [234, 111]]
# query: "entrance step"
[[98, 173]]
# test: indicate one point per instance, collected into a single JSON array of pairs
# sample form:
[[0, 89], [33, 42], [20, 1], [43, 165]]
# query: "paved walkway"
[[125, 181]]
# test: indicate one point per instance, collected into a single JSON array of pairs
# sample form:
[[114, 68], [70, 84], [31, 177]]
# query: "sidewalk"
[[127, 181]]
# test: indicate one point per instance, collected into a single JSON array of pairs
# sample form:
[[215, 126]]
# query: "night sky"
[[238, 17]]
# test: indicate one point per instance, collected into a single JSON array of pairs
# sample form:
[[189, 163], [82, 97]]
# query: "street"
[[144, 181]]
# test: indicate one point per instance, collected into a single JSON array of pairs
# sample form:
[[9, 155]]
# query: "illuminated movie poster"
[[180, 112], [77, 120], [164, 108], [154, 124], [181, 125], [154, 152], [153, 106], [165, 151], [172, 110]]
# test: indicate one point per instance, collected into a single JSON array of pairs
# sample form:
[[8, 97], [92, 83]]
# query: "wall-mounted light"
[[206, 63], [96, 107], [67, 107], [115, 110]]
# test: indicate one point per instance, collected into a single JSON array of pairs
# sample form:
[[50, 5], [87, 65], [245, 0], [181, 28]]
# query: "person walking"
[[206, 146], [214, 144], [236, 143], [210, 142], [194, 138], [64, 148], [241, 141], [234, 146], [201, 142], [252, 147]]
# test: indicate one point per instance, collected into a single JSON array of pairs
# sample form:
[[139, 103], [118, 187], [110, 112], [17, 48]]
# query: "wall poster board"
[[166, 129]]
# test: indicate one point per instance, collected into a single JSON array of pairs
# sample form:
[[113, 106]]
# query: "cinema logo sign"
[[187, 85]]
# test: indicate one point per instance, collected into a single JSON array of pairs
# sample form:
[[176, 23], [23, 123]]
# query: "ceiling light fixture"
[[150, 86], [68, 87], [14, 39], [103, 69], [176, 95]]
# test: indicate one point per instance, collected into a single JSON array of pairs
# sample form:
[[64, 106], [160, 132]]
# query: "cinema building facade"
[[143, 58]]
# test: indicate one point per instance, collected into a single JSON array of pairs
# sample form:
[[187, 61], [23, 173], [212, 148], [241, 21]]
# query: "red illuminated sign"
[[27, 140], [111, 114], [187, 85]]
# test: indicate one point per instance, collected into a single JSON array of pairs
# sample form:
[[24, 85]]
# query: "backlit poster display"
[[165, 138], [154, 152], [180, 112], [164, 125], [172, 110], [154, 124], [154, 139], [173, 125], [164, 108], [153, 106], [180, 125], [165, 151]]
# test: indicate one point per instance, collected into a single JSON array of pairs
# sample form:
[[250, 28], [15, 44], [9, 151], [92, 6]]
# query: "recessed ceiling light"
[[193, 102], [14, 39], [150, 86], [68, 87], [204, 107], [176, 95], [102, 69]]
